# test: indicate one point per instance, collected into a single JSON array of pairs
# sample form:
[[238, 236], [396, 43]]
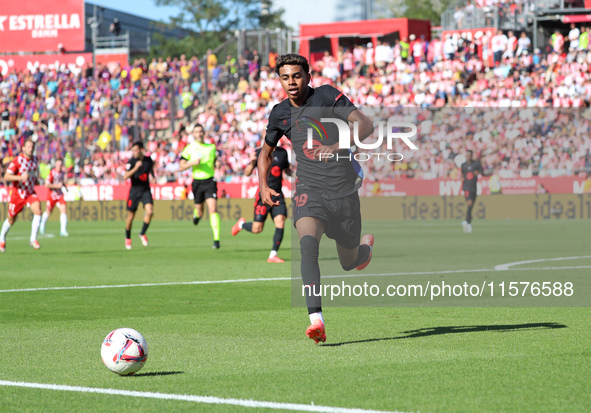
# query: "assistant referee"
[[202, 158]]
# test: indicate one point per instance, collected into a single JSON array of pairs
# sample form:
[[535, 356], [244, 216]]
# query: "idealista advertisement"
[[534, 207], [383, 188]]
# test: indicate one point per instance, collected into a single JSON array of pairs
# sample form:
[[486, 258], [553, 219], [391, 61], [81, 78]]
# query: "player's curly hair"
[[292, 59]]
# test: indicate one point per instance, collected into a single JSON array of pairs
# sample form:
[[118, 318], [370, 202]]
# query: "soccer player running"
[[22, 172], [55, 183], [138, 169], [202, 158], [470, 171], [326, 199], [279, 165]]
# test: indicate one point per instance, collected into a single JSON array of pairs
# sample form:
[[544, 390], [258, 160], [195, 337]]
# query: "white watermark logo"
[[392, 131]]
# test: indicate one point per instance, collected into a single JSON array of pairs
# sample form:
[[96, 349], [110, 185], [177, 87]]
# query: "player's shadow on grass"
[[157, 373], [435, 331]]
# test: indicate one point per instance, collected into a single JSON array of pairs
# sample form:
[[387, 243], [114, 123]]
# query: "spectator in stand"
[[511, 46], [584, 39], [523, 44], [434, 51], [557, 42], [348, 62], [369, 59], [418, 52], [573, 37], [459, 18], [449, 48], [498, 46], [469, 12], [212, 62], [404, 49], [384, 55]]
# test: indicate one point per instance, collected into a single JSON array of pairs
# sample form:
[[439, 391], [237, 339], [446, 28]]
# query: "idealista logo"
[[390, 135]]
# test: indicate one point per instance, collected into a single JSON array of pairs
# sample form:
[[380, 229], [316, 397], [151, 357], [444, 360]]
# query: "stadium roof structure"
[[368, 29]]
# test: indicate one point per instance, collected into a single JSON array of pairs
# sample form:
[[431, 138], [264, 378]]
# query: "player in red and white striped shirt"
[[22, 172], [55, 183]]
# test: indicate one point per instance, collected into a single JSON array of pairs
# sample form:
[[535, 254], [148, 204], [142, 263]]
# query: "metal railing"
[[112, 42], [473, 19]]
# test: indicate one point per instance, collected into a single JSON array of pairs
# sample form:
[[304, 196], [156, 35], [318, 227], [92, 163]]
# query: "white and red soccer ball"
[[124, 351]]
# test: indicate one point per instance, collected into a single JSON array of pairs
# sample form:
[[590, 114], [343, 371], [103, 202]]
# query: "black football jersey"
[[141, 177], [470, 178], [336, 178]]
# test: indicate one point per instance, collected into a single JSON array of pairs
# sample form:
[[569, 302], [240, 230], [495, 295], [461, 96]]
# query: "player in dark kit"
[[470, 171], [138, 169], [326, 199], [279, 165]]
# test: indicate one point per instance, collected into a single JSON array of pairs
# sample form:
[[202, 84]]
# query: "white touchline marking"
[[503, 267], [91, 287], [246, 280], [193, 398]]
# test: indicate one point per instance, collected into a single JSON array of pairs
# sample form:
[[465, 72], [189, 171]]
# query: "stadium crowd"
[[90, 118]]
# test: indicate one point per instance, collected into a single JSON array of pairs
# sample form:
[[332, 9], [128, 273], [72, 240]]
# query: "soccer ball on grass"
[[124, 351]]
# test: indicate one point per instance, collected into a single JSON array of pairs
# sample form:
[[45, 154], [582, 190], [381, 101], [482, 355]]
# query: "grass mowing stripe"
[[192, 398]]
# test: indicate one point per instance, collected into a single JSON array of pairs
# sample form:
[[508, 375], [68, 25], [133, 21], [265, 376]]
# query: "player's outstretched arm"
[[365, 125], [10, 177], [264, 164]]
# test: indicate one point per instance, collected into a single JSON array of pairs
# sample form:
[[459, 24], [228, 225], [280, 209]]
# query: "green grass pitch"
[[244, 340]]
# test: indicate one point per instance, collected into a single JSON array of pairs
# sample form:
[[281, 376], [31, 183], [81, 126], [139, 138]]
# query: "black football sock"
[[247, 226], [469, 214], [144, 228], [277, 238], [311, 273], [127, 233], [362, 256]]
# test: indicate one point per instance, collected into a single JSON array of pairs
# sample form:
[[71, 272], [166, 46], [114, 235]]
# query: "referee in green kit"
[[202, 158]]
